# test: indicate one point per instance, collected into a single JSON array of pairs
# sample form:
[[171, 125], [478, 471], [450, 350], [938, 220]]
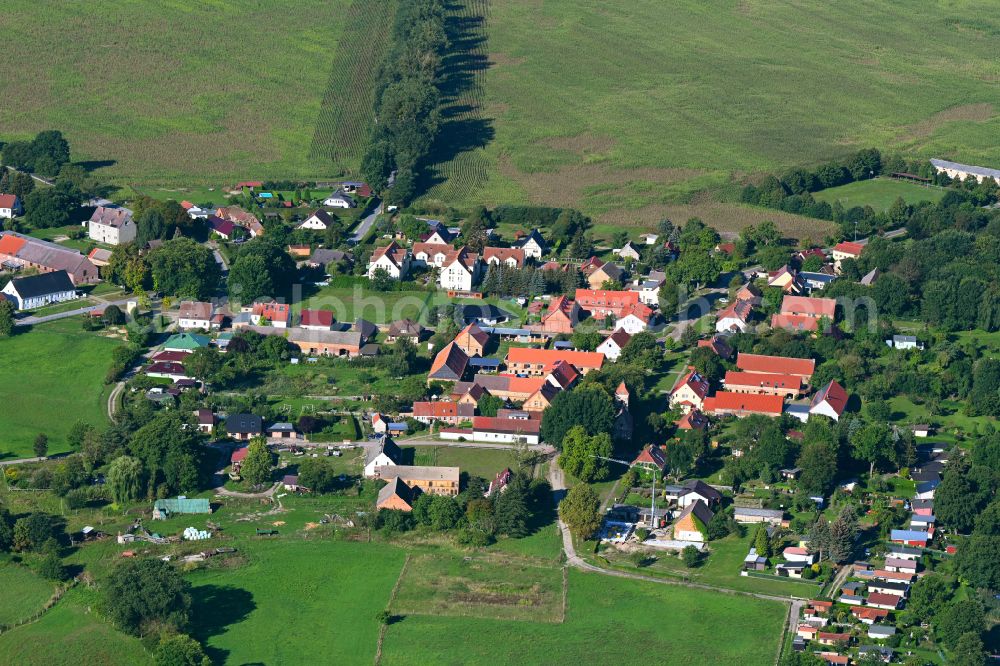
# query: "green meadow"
[[52, 376], [627, 110], [879, 193]]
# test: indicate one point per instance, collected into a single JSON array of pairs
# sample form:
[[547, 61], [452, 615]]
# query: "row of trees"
[[407, 99], [179, 267], [45, 154]]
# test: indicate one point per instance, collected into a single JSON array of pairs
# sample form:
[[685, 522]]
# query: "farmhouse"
[[449, 365], [195, 315], [601, 302], [718, 344], [694, 490], [18, 252], [319, 342], [904, 342], [741, 404], [613, 344], [562, 316], [185, 342], [802, 313], [386, 454], [395, 495], [525, 428], [205, 419], [445, 411], [472, 340], [785, 279], [634, 318], [459, 271], [690, 391], [627, 251], [504, 386], [606, 272], [789, 386], [112, 226], [883, 601], [222, 228], [404, 328], [36, 291], [99, 256], [316, 320], [240, 217], [845, 250], [431, 480], [692, 522], [734, 318], [776, 365], [10, 206], [652, 457], [829, 401], [272, 313], [537, 362]]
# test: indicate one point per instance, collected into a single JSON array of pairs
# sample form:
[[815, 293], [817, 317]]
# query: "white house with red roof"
[[512, 257], [830, 401], [845, 250], [736, 317], [614, 343], [689, 392], [10, 206], [393, 258], [460, 270], [316, 320], [272, 313], [635, 318]]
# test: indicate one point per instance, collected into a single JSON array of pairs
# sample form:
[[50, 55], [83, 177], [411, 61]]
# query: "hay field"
[[625, 110], [173, 92]]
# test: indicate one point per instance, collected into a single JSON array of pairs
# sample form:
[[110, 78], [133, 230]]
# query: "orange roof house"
[[652, 456], [693, 420], [472, 340], [562, 315], [743, 404], [449, 365], [786, 279], [763, 383], [689, 392], [802, 313], [395, 495], [541, 399], [524, 360], [510, 256], [601, 302], [276, 313], [777, 365]]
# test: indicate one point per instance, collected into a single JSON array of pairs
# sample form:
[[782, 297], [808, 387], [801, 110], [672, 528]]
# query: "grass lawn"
[[183, 107], [607, 621], [54, 375], [65, 306], [69, 634], [24, 592], [484, 463], [624, 111], [879, 193], [497, 587], [260, 613]]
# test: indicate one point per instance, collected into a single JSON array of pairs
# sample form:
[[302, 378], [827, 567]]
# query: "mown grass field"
[[52, 376], [181, 92], [607, 621], [625, 111], [24, 592], [69, 634], [879, 193]]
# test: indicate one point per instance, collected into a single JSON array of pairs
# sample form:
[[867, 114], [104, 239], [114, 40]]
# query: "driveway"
[[366, 224]]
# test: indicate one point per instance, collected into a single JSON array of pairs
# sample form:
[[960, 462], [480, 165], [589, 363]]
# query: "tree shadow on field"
[[463, 127], [94, 165], [216, 607]]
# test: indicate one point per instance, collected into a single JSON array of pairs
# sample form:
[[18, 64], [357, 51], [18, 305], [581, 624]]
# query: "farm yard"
[[879, 193], [54, 375], [627, 116], [172, 93]]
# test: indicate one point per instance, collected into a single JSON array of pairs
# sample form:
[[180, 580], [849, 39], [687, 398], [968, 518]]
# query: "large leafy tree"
[[6, 318], [145, 594], [588, 406], [183, 268], [180, 650], [961, 617], [580, 511], [584, 455], [125, 479], [262, 269], [818, 463], [256, 468], [955, 504]]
